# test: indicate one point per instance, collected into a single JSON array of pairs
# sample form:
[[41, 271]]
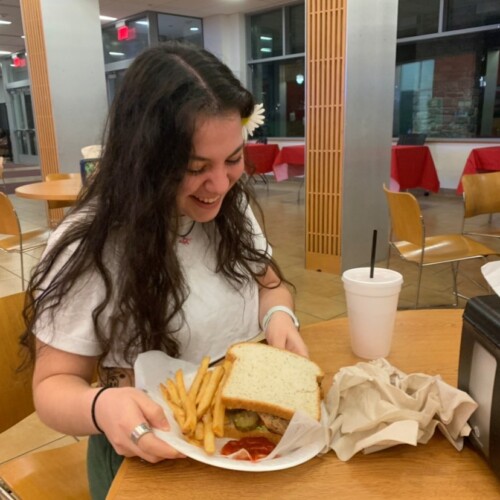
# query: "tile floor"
[[319, 295]]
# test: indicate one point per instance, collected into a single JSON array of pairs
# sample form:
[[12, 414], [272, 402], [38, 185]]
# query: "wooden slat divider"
[[324, 132], [31, 12]]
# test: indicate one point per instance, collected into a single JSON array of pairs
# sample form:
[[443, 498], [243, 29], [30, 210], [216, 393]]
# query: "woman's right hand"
[[118, 411]]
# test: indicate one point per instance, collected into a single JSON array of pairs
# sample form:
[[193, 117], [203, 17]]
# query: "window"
[[448, 85], [277, 66], [463, 14], [417, 17], [180, 28], [266, 32], [125, 39]]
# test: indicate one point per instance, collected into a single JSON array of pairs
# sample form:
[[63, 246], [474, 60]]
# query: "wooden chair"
[[59, 473], [409, 239], [15, 240], [55, 473], [16, 401], [481, 196]]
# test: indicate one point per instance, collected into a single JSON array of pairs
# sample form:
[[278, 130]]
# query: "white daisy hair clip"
[[255, 120]]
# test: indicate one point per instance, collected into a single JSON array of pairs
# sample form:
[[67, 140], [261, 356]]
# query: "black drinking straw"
[[374, 248]]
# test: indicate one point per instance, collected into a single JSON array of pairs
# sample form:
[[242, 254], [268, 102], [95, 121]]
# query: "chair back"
[[16, 397], [9, 223], [406, 217], [481, 194]]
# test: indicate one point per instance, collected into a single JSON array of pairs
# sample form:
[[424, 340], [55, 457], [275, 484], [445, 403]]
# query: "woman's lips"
[[207, 201]]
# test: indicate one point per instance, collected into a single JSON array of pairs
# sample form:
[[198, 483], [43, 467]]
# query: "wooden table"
[[425, 341], [62, 190]]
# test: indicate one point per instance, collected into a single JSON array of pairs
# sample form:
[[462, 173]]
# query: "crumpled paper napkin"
[[373, 406]]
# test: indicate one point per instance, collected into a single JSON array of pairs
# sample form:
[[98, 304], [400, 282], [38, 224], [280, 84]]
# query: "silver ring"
[[139, 431]]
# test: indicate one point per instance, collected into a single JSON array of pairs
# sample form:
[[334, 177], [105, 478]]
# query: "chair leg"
[[419, 281], [454, 271], [300, 188], [22, 271]]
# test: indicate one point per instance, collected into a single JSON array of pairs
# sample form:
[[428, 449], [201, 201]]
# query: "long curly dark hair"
[[130, 208]]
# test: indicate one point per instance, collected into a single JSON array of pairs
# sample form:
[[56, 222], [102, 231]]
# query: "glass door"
[[25, 143]]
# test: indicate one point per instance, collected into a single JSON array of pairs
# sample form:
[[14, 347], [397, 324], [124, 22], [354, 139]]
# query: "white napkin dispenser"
[[479, 373]]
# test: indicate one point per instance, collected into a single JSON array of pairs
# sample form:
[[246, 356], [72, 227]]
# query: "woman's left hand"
[[282, 333]]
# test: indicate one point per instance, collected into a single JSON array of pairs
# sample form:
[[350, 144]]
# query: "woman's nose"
[[218, 182]]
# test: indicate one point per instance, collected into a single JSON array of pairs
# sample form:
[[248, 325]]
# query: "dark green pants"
[[102, 465]]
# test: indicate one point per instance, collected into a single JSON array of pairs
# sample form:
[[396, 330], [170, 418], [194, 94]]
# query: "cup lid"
[[381, 275]]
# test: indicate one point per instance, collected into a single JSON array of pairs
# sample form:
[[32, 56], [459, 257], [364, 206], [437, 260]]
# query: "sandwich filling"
[[247, 421]]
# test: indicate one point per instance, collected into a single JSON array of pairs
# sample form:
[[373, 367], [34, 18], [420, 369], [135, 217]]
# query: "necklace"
[[183, 236]]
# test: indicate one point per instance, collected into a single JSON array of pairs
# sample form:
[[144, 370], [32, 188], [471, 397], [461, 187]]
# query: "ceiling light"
[[299, 78], [266, 38], [117, 54], [5, 52], [145, 23], [194, 28], [2, 21], [22, 36], [107, 18], [266, 49]]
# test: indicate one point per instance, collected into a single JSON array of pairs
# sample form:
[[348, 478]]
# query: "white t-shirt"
[[217, 314]]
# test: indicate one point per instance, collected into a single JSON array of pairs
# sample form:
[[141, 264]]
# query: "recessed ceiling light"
[[194, 28], [3, 21], [117, 54], [107, 18], [5, 52]]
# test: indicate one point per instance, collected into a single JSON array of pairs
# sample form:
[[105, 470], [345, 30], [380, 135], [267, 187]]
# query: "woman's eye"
[[196, 171], [234, 161]]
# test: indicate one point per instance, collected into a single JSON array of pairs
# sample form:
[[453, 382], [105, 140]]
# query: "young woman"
[[162, 251]]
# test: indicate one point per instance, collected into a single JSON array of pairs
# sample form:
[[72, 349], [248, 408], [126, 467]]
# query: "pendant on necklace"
[[183, 238]]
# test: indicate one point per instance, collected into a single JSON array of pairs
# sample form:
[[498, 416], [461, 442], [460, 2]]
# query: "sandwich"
[[264, 389]]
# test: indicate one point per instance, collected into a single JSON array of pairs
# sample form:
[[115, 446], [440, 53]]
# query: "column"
[[66, 67], [348, 129]]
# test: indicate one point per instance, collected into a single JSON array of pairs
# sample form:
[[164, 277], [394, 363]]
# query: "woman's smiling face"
[[215, 165]]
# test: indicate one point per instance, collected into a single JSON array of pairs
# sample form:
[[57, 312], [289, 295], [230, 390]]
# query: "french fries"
[[199, 411]]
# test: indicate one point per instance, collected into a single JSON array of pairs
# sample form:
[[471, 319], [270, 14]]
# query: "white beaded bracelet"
[[274, 309]]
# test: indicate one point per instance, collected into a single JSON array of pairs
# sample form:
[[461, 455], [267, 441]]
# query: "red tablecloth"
[[289, 162], [481, 160], [261, 156], [412, 167]]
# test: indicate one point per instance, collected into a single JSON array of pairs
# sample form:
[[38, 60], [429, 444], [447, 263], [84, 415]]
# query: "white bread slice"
[[270, 380]]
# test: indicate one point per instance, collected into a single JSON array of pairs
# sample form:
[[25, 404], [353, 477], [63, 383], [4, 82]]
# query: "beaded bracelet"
[[92, 409]]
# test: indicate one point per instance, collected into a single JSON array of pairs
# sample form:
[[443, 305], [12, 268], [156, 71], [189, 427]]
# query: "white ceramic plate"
[[292, 459]]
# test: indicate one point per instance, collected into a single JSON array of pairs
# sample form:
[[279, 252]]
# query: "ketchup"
[[256, 447]]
